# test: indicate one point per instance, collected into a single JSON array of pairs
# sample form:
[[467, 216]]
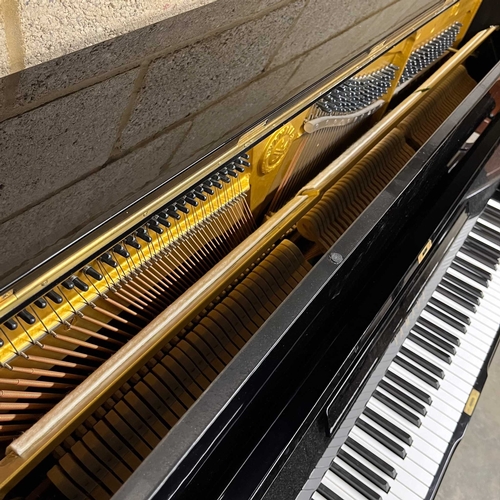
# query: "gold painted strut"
[[36, 443]]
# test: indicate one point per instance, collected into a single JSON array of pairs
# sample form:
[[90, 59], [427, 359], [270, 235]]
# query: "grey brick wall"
[[84, 132]]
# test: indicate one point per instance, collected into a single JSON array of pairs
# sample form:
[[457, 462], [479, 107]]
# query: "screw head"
[[336, 258]]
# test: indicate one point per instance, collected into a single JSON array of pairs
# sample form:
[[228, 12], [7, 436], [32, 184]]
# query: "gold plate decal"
[[425, 251], [471, 402], [277, 148]]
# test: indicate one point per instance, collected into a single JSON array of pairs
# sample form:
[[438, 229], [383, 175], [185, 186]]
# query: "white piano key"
[[442, 433], [450, 377], [340, 487], [483, 312], [482, 240], [494, 203], [459, 372], [358, 476], [459, 391], [436, 394], [397, 491], [489, 293], [489, 224], [460, 360], [424, 439], [475, 262], [482, 317], [471, 344], [443, 407], [408, 471], [415, 473], [476, 335], [443, 418]]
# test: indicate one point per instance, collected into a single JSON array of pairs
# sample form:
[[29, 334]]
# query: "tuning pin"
[[27, 317], [41, 303], [106, 258], [162, 219], [155, 226], [243, 160], [68, 284], [80, 284], [172, 212], [223, 177], [131, 241], [238, 167], [54, 297], [190, 199], [11, 324], [90, 271], [121, 250], [143, 234], [207, 187], [215, 181], [182, 208], [198, 192]]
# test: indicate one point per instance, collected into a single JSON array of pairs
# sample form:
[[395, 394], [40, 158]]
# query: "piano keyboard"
[[396, 446]]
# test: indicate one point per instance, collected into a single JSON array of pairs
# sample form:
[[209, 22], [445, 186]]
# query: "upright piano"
[[307, 312]]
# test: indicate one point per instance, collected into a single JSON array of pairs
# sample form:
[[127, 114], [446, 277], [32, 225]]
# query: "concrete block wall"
[[86, 120]]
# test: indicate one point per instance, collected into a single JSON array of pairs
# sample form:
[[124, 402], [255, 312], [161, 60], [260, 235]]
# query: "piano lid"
[[84, 135]]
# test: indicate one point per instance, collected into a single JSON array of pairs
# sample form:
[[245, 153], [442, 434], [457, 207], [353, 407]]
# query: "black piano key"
[[434, 340], [435, 370], [470, 274], [481, 246], [41, 303], [457, 299], [403, 397], [446, 319], [494, 212], [54, 297], [483, 258], [327, 493], [388, 426], [364, 470], [489, 216], [425, 377], [381, 438], [418, 393], [27, 317], [375, 460], [453, 339], [400, 410], [466, 290], [449, 310], [354, 482], [472, 267], [430, 348], [486, 233]]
